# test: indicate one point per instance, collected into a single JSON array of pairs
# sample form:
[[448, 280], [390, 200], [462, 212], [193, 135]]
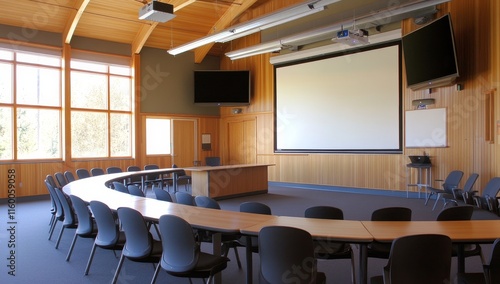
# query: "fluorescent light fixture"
[[200, 42], [255, 50], [331, 48], [273, 19]]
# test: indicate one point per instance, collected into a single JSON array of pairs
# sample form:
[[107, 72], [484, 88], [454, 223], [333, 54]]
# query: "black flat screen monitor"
[[221, 87], [430, 56]]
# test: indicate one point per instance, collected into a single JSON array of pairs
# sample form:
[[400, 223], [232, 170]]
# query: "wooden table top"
[[225, 167], [459, 231], [335, 230]]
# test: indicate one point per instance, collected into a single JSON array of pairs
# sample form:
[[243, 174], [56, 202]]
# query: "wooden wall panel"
[[477, 51]]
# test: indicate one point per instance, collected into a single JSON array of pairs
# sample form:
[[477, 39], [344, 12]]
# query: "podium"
[[411, 170]]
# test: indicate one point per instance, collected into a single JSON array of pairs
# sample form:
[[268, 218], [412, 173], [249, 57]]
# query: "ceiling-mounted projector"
[[157, 11], [352, 38]]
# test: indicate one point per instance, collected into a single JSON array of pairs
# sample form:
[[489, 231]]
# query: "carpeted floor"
[[37, 261]]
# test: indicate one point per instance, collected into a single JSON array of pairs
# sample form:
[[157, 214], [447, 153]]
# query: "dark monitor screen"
[[429, 55], [219, 87]]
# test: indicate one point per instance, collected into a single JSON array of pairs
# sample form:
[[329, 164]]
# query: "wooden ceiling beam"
[[146, 29], [73, 20], [224, 22]]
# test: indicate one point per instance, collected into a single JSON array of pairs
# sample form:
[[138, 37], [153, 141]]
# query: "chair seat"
[[332, 250], [206, 264]]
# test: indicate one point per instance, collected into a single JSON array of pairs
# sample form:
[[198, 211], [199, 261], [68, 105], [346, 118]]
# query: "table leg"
[[363, 264], [217, 250], [460, 258], [249, 273], [174, 182]]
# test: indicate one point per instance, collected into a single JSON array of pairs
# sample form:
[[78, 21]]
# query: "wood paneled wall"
[[476, 25]]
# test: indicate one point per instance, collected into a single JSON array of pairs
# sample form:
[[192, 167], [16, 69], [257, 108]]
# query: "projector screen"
[[348, 102]]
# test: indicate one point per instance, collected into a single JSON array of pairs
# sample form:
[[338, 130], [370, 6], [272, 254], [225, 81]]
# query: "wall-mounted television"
[[430, 56], [222, 87]]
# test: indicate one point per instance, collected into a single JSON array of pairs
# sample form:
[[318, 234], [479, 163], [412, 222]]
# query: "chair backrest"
[[184, 198], [118, 186], [69, 214], [61, 180], [135, 190], [455, 213], [492, 187], [162, 194], [139, 241], [152, 176], [180, 249], [420, 259], [469, 183], [255, 207], [113, 170], [492, 269], [107, 229], [82, 173], [96, 171], [392, 214], [206, 202], [51, 181], [212, 161], [180, 173], [324, 212], [282, 249], [452, 180], [85, 223], [55, 199], [133, 168], [69, 176]]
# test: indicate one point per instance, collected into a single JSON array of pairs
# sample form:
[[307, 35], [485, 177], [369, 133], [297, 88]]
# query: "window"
[[30, 104], [157, 136], [101, 109]]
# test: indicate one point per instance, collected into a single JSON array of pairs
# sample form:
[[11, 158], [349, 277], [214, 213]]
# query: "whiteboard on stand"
[[425, 128]]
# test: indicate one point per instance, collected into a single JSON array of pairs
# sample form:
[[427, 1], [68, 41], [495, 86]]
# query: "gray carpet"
[[37, 261]]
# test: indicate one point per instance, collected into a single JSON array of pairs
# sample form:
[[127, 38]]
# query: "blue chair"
[[182, 256], [86, 228], [139, 245]]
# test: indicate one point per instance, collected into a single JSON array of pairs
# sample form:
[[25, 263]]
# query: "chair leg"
[[437, 200], [51, 230], [118, 268], [91, 257], [59, 237], [71, 247], [157, 270], [428, 197], [353, 271]]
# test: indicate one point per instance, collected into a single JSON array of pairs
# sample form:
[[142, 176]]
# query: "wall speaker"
[[236, 110]]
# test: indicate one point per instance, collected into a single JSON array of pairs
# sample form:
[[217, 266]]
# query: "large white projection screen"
[[346, 103]]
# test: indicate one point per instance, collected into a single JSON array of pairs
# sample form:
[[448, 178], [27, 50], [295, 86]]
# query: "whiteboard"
[[425, 128]]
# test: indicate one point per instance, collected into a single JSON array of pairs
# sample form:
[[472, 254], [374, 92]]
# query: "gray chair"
[[152, 179], [56, 210], [96, 172], [325, 249], [69, 176], [135, 190], [488, 199], [379, 249], [86, 227], [451, 182], [162, 194], [139, 245], [109, 236], [282, 249], [491, 269], [61, 180], [212, 161], [463, 194], [113, 170], [418, 259], [137, 180], [118, 186], [82, 173], [184, 198], [461, 213], [70, 221], [181, 255], [183, 178]]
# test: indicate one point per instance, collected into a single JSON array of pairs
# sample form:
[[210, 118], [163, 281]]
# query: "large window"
[[30, 104], [101, 110]]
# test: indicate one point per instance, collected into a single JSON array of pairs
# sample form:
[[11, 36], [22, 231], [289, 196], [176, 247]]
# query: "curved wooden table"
[[219, 221]]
